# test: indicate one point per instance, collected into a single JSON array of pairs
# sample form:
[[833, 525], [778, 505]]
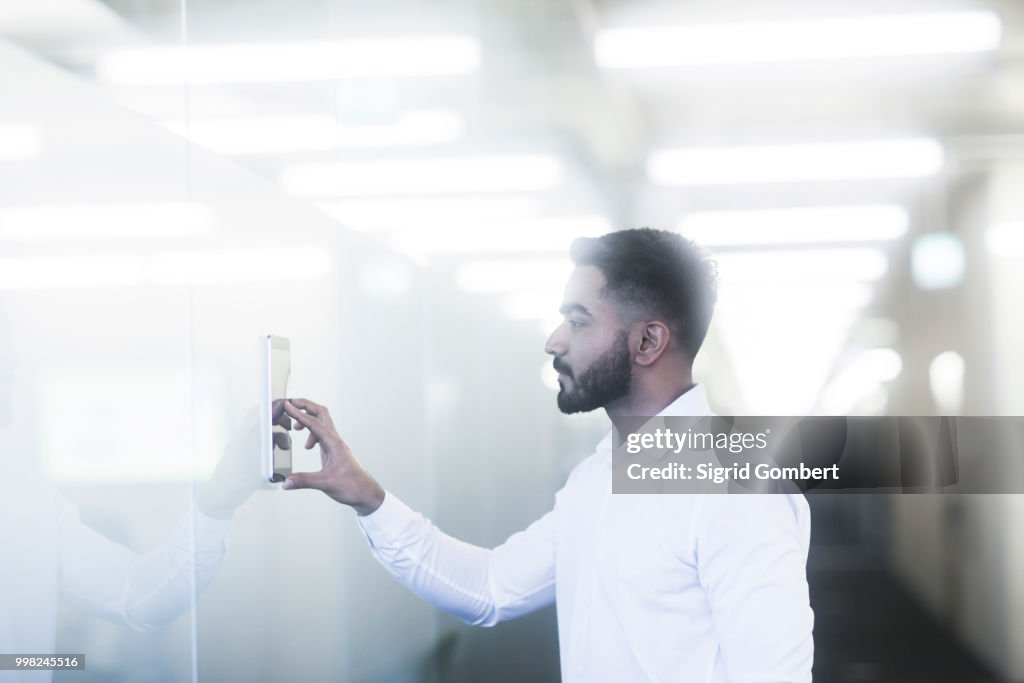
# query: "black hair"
[[655, 272]]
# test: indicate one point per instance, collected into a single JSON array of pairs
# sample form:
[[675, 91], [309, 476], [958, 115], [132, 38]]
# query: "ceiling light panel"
[[318, 133], [425, 176], [807, 225], [392, 57], [786, 41], [864, 160]]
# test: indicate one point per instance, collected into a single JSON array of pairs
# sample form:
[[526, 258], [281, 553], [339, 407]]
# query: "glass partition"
[[108, 415]]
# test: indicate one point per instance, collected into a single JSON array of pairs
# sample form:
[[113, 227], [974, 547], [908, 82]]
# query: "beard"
[[608, 378]]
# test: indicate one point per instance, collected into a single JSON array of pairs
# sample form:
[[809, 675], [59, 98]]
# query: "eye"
[[575, 324]]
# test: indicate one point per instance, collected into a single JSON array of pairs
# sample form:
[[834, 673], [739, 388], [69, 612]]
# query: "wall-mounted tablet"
[[275, 439]]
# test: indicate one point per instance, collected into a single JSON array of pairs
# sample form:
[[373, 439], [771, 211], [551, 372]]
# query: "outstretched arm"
[[480, 586]]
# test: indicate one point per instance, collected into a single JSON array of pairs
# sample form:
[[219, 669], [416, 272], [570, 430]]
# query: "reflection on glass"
[[53, 556]]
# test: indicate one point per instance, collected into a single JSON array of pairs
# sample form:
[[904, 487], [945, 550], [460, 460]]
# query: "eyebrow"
[[566, 309]]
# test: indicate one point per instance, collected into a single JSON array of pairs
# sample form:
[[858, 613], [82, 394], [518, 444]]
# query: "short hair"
[[658, 273]]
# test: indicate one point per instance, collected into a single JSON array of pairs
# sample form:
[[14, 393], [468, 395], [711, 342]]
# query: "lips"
[[561, 369]]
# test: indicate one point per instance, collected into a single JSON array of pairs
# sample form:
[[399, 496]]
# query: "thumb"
[[302, 480]]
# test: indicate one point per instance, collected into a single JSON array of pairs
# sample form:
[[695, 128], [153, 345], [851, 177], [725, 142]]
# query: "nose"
[[555, 345]]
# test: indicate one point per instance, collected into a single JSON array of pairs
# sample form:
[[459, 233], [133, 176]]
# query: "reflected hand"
[[282, 440], [236, 475], [341, 476]]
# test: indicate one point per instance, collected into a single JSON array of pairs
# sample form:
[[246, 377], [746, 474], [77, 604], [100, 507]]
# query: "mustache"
[[561, 367]]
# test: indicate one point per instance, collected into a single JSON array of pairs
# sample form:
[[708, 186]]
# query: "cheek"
[[583, 353]]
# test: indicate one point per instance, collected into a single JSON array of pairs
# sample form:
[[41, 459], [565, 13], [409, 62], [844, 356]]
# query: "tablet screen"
[[278, 449]]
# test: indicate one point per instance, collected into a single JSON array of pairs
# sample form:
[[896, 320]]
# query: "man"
[[696, 588]]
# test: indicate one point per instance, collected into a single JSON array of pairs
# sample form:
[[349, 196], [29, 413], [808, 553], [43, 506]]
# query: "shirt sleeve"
[[752, 563], [141, 591], [478, 585]]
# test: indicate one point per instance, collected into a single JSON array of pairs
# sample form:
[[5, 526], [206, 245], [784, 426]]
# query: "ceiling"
[[537, 93]]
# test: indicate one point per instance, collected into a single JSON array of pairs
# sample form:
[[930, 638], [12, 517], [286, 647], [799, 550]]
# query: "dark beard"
[[607, 379]]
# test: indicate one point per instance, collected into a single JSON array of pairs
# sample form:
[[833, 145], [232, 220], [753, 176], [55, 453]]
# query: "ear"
[[654, 337]]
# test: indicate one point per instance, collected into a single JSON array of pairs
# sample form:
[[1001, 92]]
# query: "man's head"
[[636, 300]]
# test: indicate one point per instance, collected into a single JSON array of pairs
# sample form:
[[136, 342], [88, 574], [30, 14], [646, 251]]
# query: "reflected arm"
[[141, 591]]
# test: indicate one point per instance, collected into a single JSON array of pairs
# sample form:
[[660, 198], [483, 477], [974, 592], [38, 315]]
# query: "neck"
[[646, 401]]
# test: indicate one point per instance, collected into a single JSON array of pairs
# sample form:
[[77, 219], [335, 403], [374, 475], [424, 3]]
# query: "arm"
[[480, 586], [143, 592], [148, 591], [752, 562]]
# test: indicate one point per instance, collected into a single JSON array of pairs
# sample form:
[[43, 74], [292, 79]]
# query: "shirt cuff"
[[386, 524]]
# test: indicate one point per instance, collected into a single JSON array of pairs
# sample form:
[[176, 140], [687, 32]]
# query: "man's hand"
[[341, 476]]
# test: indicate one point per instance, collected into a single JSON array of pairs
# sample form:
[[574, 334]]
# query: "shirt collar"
[[693, 401]]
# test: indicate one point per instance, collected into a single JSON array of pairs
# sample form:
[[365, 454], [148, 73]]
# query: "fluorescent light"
[[312, 133], [859, 387], [372, 215], [226, 266], [882, 363], [946, 380], [784, 41], [444, 175], [287, 62], [104, 221], [783, 372], [266, 264], [865, 160], [511, 275], [803, 265], [937, 261], [792, 316], [1006, 239], [66, 272], [552, 233], [742, 298], [795, 225], [19, 141]]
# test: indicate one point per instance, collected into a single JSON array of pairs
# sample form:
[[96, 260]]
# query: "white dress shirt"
[[648, 587], [48, 553]]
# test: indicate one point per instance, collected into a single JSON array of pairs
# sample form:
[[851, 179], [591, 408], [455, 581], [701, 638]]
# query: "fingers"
[[311, 441], [308, 420], [304, 480], [278, 416], [314, 409], [282, 441]]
